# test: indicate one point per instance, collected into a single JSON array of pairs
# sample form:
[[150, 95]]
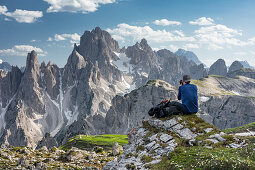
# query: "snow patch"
[[204, 98], [72, 116], [123, 63], [236, 93], [3, 112]]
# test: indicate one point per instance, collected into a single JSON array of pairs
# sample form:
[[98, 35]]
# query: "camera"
[[181, 83]]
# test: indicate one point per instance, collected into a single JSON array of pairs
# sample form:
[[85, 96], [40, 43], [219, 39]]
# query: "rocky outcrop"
[[236, 65], [232, 111], [47, 141], [130, 110], [154, 138], [218, 68]]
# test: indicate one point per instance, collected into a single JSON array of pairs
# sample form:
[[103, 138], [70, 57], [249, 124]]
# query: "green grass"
[[204, 158], [88, 142], [240, 129]]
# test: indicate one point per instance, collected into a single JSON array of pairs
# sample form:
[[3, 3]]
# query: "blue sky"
[[211, 28]]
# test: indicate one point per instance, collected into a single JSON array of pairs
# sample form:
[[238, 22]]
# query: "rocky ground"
[[165, 143], [27, 158]]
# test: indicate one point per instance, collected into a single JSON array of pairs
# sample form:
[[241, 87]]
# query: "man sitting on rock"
[[188, 94]]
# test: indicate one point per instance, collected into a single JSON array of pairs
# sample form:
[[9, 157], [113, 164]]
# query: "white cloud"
[[240, 53], [50, 39], [136, 33], [32, 40], [21, 50], [7, 19], [173, 48], [202, 21], [73, 38], [252, 52], [220, 36], [165, 22], [84, 6], [190, 46], [21, 16], [3, 9]]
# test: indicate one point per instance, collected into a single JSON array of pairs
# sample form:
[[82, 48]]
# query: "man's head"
[[186, 79]]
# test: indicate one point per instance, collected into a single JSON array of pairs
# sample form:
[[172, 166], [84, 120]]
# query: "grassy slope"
[[200, 157], [240, 129], [90, 141]]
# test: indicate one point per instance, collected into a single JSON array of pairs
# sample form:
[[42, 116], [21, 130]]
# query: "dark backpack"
[[158, 110]]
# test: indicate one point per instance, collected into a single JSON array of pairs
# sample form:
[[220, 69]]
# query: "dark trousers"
[[175, 108]]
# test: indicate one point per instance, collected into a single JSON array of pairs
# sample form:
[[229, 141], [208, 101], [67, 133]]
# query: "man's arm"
[[179, 94]]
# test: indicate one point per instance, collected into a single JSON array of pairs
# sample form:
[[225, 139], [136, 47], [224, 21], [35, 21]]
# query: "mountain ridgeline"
[[46, 101]]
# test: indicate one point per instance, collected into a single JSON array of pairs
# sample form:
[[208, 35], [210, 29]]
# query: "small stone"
[[243, 142], [208, 130], [150, 145], [116, 149], [186, 133], [156, 146], [194, 129], [165, 138], [192, 142], [23, 162], [213, 140], [156, 123], [169, 123], [172, 143], [218, 137], [153, 138], [179, 118], [222, 134], [234, 145], [236, 139], [177, 127], [209, 147]]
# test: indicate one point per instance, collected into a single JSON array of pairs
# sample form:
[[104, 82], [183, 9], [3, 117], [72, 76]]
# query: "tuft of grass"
[[240, 129], [146, 159], [91, 141]]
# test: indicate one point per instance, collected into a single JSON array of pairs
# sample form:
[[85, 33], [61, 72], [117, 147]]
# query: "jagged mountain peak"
[[98, 45], [32, 62]]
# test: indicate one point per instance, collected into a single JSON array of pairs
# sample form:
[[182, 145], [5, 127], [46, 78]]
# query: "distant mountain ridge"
[[5, 66], [189, 55]]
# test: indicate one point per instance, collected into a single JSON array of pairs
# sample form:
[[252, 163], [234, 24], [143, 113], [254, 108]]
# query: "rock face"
[[232, 111], [236, 65], [130, 110], [174, 67], [189, 55], [218, 68]]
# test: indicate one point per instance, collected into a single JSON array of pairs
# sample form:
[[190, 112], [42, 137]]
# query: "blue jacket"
[[188, 94]]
